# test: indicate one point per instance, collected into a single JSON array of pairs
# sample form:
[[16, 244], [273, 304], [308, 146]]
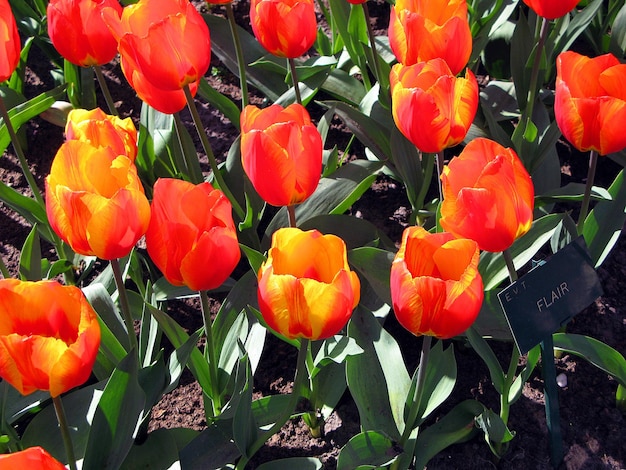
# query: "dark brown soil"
[[593, 429]]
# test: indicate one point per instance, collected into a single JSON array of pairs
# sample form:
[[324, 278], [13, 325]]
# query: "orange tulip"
[[103, 130], [78, 32], [306, 288], [11, 46], [33, 458], [421, 30], [431, 107], [551, 9], [590, 101], [164, 46], [95, 201], [192, 237], [285, 28], [49, 336], [281, 152], [436, 288], [488, 196]]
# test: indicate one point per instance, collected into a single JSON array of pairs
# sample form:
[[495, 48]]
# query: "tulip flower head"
[[33, 458], [551, 9], [285, 28], [49, 336], [281, 152], [11, 46], [78, 32], [103, 130], [95, 201], [192, 237], [306, 288], [164, 46], [431, 107], [436, 288], [488, 195], [421, 30], [590, 101]]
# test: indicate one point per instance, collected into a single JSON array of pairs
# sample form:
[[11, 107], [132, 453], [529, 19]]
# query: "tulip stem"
[[65, 431], [439, 171], [298, 382], [219, 179], [591, 174], [291, 212], [124, 305], [105, 90], [510, 266], [294, 79], [239, 51], [372, 37], [428, 163], [210, 354]]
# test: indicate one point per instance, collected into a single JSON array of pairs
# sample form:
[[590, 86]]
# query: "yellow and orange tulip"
[[33, 458], [95, 201], [431, 107], [306, 288], [103, 130], [551, 9], [285, 28], [436, 289], [49, 336], [421, 30], [78, 32], [164, 46], [192, 237], [488, 195], [11, 46], [281, 152], [590, 101]]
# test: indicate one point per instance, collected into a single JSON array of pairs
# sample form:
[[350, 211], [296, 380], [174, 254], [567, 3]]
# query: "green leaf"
[[160, 449], [604, 223], [101, 301], [456, 426], [354, 231], [212, 449], [27, 208], [369, 448], [30, 257], [381, 408], [596, 352], [116, 418], [270, 408], [495, 429], [334, 349], [485, 352], [301, 463], [573, 192], [244, 425], [576, 27], [221, 102], [374, 264]]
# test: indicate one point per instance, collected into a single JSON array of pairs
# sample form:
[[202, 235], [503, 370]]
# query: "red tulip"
[[165, 46], [286, 28], [192, 237], [436, 288], [431, 107], [552, 9], [306, 288], [11, 46], [281, 152], [357, 2], [78, 32], [421, 30], [488, 196], [103, 130], [95, 201], [33, 458], [590, 101], [49, 336]]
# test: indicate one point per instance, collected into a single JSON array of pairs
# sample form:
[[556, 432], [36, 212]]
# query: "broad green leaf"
[[456, 426], [178, 361], [617, 46], [244, 425], [212, 449], [160, 449], [596, 352], [369, 448], [116, 417], [491, 322], [344, 86], [604, 223], [485, 352], [571, 192], [495, 429], [30, 257], [102, 302], [576, 27], [375, 265], [328, 386], [27, 208], [268, 409], [336, 349], [532, 358], [221, 102], [301, 463], [354, 231]]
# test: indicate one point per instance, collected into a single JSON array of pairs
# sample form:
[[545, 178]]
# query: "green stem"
[[510, 266], [65, 432], [419, 389], [211, 354], [184, 161], [241, 63], [105, 90], [370, 33], [219, 179], [428, 164], [298, 382], [291, 212], [124, 305], [439, 171], [591, 174], [294, 79]]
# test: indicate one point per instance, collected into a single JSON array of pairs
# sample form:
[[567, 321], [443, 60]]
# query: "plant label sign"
[[547, 297]]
